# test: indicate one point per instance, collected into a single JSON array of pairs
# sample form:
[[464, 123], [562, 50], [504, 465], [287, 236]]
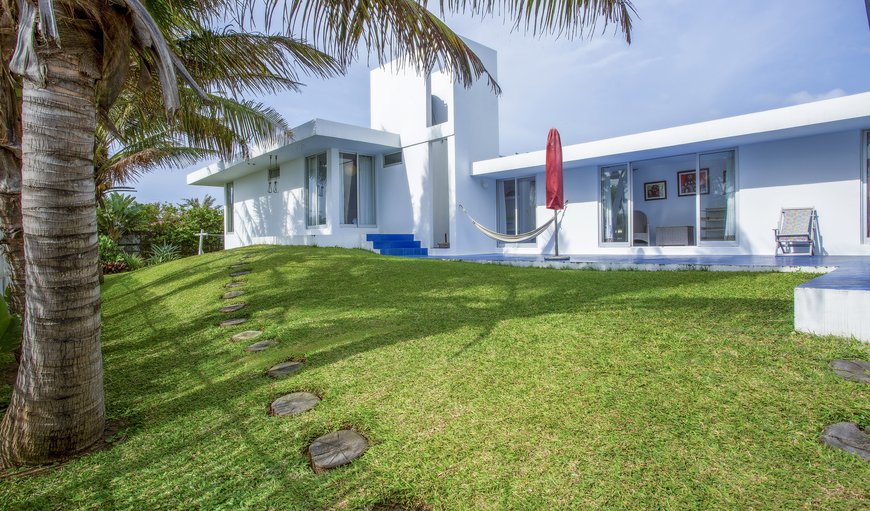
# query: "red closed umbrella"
[[555, 187], [555, 184]]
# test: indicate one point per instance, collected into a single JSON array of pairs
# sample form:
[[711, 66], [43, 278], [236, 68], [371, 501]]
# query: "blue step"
[[380, 245], [389, 237], [406, 252], [401, 245]]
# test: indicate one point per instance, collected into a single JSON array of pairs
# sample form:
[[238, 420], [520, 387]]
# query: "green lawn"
[[479, 387]]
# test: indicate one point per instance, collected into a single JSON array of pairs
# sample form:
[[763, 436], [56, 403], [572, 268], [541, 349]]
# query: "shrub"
[[133, 261], [163, 253]]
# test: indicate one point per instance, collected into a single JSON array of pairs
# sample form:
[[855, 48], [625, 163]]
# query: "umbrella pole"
[[556, 218], [556, 256]]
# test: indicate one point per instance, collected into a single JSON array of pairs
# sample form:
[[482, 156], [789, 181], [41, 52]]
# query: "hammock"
[[508, 238]]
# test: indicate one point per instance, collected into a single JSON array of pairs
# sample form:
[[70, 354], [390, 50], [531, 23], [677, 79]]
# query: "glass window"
[[393, 159], [358, 189], [517, 207], [315, 189], [716, 186], [229, 200], [867, 185], [614, 204]]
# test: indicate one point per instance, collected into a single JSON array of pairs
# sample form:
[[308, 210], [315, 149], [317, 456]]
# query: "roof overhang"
[[829, 116], [312, 137]]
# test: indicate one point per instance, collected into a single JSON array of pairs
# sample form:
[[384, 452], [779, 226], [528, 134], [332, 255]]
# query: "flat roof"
[[828, 116], [313, 137]]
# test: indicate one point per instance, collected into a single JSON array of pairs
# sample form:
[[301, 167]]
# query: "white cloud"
[[806, 97]]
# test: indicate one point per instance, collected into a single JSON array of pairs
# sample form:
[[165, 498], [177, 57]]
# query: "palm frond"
[[391, 29], [252, 63]]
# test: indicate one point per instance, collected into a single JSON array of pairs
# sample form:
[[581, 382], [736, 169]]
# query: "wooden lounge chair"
[[797, 226]]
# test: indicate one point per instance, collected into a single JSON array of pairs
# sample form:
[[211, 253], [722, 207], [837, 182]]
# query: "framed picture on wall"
[[655, 190], [687, 185]]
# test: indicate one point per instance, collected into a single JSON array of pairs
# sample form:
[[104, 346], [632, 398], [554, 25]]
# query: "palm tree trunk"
[[10, 171], [10, 227], [57, 407]]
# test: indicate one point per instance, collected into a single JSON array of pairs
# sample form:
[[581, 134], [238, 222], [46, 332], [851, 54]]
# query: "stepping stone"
[[284, 369], [234, 283], [260, 346], [294, 403], [237, 266], [848, 437], [852, 370], [232, 294], [247, 335], [239, 273], [232, 308], [336, 449], [233, 322]]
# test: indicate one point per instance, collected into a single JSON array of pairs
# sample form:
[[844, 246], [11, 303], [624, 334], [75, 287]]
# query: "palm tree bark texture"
[[10, 169], [57, 408]]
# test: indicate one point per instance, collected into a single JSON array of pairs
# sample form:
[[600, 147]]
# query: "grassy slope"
[[479, 386]]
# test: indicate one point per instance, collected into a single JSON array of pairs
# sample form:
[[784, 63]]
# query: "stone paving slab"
[[852, 370], [336, 449], [847, 436], [284, 369], [232, 294], [292, 404], [260, 346], [234, 283], [247, 335], [233, 322], [239, 273], [232, 308]]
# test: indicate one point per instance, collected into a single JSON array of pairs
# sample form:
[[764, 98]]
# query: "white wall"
[[279, 218], [822, 171]]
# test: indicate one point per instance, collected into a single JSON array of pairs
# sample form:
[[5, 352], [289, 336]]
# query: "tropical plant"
[[119, 215], [163, 253], [75, 73]]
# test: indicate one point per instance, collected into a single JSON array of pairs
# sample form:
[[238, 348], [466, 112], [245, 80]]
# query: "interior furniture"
[[713, 224], [641, 228], [677, 235]]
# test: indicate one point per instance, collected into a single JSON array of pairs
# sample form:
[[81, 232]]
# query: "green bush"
[[109, 250], [133, 261], [163, 253]]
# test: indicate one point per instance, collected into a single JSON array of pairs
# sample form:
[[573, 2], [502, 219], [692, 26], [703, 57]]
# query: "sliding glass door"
[[517, 208], [315, 190], [358, 190], [717, 193], [614, 194]]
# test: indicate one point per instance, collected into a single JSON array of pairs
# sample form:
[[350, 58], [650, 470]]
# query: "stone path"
[[260, 346], [247, 335], [239, 273], [852, 370], [232, 294], [233, 322], [847, 436], [336, 449], [294, 403], [284, 369], [232, 308]]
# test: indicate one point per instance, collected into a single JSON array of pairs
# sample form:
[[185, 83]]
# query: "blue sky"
[[689, 61]]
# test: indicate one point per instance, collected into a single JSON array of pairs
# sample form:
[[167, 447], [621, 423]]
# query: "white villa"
[[433, 145], [701, 194]]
